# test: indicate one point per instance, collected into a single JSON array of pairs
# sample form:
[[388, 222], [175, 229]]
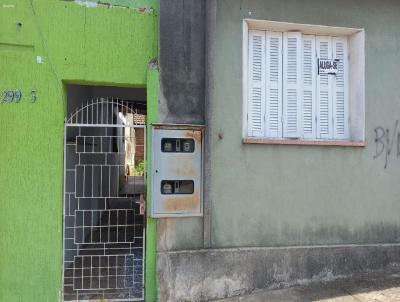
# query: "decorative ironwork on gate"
[[105, 142]]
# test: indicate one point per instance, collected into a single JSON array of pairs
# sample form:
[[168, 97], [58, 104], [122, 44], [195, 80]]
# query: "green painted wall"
[[264, 195], [109, 46], [153, 79]]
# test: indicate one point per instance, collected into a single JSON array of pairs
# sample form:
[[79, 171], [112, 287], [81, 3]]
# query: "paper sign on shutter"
[[324, 94], [328, 66]]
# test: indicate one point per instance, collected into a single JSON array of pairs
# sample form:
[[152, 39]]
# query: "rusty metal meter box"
[[177, 170]]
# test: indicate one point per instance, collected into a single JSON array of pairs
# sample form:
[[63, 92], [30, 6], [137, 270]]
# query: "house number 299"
[[16, 96]]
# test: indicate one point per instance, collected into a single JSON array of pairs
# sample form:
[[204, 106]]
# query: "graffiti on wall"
[[387, 142]]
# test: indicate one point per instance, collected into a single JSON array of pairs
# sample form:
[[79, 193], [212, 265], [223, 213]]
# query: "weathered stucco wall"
[[264, 195], [206, 275], [109, 46], [298, 194], [309, 213], [182, 93], [182, 45]]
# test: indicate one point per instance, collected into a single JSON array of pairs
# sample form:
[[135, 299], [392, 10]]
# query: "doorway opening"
[[104, 190]]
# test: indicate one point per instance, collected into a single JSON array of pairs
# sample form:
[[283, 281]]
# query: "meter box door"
[[177, 170]]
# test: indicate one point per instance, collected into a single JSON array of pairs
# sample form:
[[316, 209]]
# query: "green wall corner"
[[151, 231]]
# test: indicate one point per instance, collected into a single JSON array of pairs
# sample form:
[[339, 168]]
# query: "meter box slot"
[[177, 145], [177, 170]]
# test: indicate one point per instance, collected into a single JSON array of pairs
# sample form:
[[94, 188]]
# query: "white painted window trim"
[[356, 71]]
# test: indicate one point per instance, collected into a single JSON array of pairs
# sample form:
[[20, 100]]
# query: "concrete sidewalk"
[[377, 287]]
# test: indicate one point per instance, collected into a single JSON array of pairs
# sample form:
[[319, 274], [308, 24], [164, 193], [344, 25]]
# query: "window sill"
[[269, 141]]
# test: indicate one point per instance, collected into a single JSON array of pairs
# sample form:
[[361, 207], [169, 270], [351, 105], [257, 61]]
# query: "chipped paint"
[[140, 6], [86, 3], [195, 134], [144, 10]]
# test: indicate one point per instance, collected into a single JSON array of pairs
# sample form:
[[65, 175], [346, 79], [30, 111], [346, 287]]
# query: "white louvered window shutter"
[[309, 87], [273, 84], [256, 84], [324, 94], [292, 78], [340, 90]]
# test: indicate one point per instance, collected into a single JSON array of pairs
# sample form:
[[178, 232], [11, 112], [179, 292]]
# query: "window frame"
[[356, 80]]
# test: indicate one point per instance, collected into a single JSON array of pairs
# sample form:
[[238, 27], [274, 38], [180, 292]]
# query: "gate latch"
[[142, 204]]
